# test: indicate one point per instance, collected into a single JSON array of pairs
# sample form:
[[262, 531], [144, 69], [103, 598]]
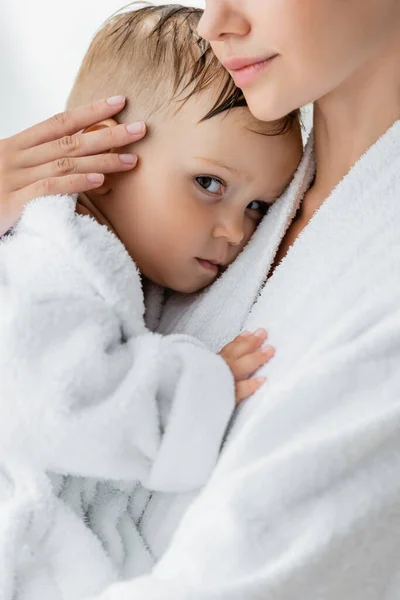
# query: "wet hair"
[[154, 56]]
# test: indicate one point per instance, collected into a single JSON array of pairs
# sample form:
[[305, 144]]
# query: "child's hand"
[[54, 157], [244, 356]]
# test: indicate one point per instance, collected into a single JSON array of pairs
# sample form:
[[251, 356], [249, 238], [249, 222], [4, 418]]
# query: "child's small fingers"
[[256, 337], [245, 389], [243, 344], [247, 365], [233, 350]]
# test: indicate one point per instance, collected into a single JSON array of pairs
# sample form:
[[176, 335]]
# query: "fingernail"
[[135, 127], [260, 333], [244, 333], [95, 178], [114, 100], [129, 159], [267, 350], [261, 380]]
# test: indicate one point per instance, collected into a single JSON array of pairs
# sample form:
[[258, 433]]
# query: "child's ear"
[[101, 125], [106, 187]]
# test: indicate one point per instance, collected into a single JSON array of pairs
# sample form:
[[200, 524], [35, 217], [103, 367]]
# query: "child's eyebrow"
[[218, 163]]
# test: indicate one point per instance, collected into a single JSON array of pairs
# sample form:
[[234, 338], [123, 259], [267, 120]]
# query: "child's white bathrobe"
[[305, 501], [90, 403]]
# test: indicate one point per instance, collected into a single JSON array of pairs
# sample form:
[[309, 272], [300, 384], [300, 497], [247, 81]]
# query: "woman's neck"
[[351, 119]]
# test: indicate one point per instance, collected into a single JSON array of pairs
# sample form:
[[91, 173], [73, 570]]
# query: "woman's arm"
[[54, 157]]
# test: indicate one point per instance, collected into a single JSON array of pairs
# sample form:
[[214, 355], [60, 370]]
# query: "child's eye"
[[212, 185], [258, 208]]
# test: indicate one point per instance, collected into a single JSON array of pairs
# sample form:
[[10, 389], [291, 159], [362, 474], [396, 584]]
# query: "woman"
[[305, 500]]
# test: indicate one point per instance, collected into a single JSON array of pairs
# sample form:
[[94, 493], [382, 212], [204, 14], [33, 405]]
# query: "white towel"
[[305, 501], [88, 393]]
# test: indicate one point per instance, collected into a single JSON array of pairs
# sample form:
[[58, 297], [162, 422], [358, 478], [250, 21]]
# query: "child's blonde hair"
[[153, 55]]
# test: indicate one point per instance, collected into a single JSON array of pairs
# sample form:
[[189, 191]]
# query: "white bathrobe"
[[90, 403], [304, 503]]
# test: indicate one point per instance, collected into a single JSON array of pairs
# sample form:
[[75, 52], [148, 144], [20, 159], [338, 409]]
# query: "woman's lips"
[[246, 70]]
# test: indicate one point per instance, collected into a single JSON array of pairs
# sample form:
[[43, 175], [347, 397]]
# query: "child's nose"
[[230, 228]]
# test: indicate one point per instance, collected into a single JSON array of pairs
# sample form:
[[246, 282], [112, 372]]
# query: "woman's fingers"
[[68, 122], [102, 163], [84, 144], [69, 184], [55, 157], [11, 210]]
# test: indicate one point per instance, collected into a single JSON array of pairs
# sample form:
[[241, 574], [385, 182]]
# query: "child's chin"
[[190, 287]]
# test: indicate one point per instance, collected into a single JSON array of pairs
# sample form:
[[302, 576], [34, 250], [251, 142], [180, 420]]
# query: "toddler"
[[92, 401]]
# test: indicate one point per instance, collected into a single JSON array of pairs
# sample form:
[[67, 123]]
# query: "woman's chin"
[[265, 108], [267, 113]]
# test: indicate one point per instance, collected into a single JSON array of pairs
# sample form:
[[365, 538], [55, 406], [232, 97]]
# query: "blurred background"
[[42, 43]]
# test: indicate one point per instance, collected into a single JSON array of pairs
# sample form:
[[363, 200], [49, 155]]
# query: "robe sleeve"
[[85, 389], [305, 502]]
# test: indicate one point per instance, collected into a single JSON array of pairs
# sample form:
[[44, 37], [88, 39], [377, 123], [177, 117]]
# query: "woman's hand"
[[244, 356], [55, 157]]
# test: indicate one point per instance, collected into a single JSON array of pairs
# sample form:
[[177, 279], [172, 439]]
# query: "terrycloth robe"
[[305, 500], [88, 397]]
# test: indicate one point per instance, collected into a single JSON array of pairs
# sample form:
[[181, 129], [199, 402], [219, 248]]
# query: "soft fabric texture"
[[91, 403], [305, 500]]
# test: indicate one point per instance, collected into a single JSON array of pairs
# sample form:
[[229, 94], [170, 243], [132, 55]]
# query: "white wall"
[[42, 43]]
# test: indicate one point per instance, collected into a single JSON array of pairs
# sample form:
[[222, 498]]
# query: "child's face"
[[198, 193]]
